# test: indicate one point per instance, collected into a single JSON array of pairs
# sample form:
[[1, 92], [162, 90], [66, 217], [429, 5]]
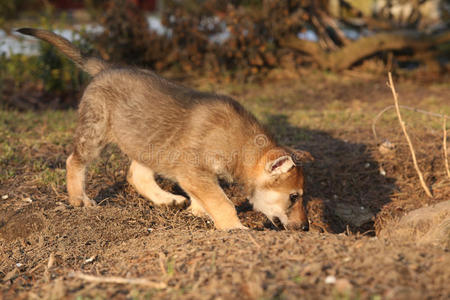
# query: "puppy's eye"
[[293, 198]]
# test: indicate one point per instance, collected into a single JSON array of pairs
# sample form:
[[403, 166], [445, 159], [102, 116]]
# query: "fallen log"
[[345, 57]]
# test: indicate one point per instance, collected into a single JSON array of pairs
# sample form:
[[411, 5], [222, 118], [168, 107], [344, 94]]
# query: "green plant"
[[46, 75]]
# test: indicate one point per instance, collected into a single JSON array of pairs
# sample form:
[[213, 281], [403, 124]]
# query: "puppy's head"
[[279, 188]]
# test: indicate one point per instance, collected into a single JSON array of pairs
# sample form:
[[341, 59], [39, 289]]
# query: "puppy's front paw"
[[234, 226], [81, 201], [244, 227], [89, 202], [241, 227]]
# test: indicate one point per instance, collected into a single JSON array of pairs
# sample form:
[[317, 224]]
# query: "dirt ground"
[[357, 185]]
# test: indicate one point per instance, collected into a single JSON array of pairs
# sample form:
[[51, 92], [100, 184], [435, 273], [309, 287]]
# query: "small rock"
[[330, 279], [19, 265], [4, 197], [90, 259], [367, 165], [353, 214], [28, 200], [386, 147], [382, 171]]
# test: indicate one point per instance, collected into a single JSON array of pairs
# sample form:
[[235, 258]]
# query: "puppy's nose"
[[305, 227]]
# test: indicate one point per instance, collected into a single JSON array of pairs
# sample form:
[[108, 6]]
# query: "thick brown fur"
[[185, 135]]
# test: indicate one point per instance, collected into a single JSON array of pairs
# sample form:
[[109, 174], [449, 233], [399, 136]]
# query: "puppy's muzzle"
[[298, 220]]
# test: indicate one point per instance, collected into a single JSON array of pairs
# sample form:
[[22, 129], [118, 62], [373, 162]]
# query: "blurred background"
[[220, 41]]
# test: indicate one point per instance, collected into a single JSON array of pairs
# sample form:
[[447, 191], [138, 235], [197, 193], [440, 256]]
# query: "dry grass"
[[352, 189]]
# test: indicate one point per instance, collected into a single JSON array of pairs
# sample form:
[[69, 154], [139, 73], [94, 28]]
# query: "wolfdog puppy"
[[191, 137]]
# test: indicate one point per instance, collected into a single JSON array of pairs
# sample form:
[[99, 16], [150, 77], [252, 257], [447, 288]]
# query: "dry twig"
[[444, 142], [418, 110], [254, 241], [411, 148], [119, 280], [161, 263]]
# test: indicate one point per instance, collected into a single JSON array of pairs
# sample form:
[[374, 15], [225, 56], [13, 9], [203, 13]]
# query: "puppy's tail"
[[90, 65]]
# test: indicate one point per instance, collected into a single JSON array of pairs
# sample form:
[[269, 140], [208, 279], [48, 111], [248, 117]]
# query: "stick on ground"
[[444, 142], [411, 148], [119, 280]]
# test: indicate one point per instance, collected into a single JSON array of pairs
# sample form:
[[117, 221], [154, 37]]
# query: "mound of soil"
[[426, 225]]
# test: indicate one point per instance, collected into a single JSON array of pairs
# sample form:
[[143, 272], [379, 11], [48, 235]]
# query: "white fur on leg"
[[143, 180], [75, 184]]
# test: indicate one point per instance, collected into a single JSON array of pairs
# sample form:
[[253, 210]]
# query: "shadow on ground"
[[344, 187]]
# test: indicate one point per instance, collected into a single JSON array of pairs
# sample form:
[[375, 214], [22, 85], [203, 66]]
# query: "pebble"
[[330, 279], [27, 199], [4, 197], [386, 147], [90, 259]]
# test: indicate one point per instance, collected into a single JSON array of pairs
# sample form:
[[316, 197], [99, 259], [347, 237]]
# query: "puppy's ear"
[[280, 165], [300, 156]]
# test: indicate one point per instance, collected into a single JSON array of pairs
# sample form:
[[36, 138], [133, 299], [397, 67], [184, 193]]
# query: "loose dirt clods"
[[45, 242]]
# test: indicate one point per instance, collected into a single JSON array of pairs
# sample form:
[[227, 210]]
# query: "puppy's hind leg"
[[90, 138], [143, 180], [75, 181]]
